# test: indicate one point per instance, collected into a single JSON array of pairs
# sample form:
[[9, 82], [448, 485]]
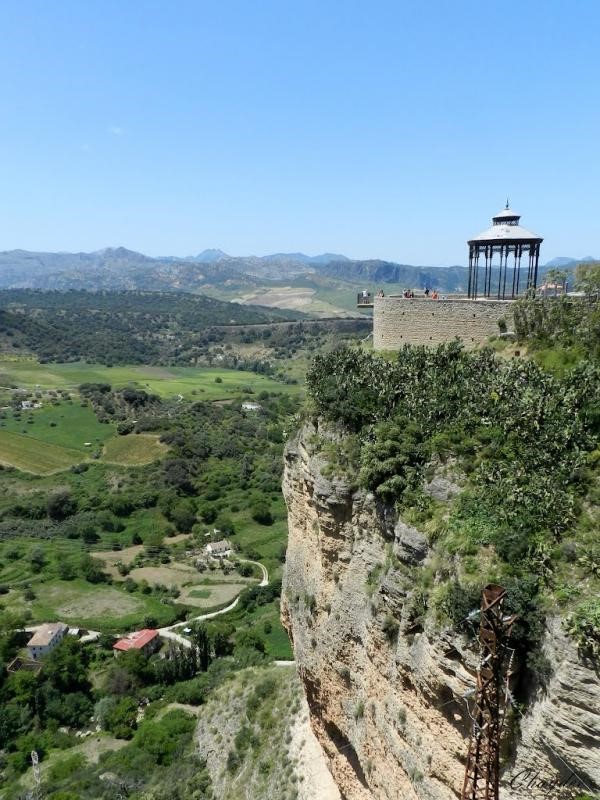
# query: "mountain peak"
[[568, 261], [120, 252], [210, 255]]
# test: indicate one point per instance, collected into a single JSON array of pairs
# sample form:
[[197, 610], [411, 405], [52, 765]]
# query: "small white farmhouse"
[[45, 639], [248, 405], [220, 549]]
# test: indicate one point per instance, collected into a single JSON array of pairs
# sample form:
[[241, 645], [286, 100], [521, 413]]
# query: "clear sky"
[[376, 129]]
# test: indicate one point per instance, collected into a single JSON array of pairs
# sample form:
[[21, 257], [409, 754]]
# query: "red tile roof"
[[136, 641]]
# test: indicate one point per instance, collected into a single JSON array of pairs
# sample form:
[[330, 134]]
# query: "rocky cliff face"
[[385, 687]]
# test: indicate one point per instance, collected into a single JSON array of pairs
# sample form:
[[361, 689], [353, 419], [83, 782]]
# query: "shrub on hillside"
[[262, 513]]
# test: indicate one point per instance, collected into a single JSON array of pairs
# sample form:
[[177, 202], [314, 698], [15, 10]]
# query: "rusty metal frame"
[[482, 772]]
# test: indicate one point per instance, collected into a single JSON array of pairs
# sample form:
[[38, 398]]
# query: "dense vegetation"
[[559, 331], [84, 688], [223, 464], [168, 329], [562, 330], [222, 471], [522, 442], [118, 327]]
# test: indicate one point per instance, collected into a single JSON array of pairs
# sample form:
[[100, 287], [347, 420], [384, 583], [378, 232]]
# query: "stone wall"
[[397, 321]]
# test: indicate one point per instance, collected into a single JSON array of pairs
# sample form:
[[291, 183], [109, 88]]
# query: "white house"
[[29, 404], [45, 639], [248, 405], [220, 549]]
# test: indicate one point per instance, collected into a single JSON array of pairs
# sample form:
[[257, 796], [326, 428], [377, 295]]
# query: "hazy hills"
[[448, 279], [330, 278], [120, 268], [211, 256], [566, 262]]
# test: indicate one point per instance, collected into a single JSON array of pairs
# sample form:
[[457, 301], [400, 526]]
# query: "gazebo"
[[507, 239]]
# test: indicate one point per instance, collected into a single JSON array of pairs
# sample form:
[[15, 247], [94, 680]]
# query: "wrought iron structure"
[[492, 696], [508, 240], [36, 793]]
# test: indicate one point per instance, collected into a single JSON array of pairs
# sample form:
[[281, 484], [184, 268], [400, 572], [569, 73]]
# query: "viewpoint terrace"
[[503, 265]]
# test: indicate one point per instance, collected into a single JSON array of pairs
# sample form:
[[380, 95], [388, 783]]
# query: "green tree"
[[208, 512], [60, 505], [251, 640], [165, 739], [182, 515], [37, 558], [201, 639], [558, 277], [587, 277], [220, 634], [262, 513], [66, 569], [120, 720], [224, 524], [72, 708], [91, 569], [65, 668]]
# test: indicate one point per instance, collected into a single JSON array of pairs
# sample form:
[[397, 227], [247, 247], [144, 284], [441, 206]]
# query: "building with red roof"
[[146, 640]]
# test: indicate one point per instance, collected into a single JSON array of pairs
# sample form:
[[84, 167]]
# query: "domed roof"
[[506, 228], [506, 214]]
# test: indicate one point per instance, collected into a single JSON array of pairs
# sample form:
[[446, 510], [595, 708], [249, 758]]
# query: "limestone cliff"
[[384, 686]]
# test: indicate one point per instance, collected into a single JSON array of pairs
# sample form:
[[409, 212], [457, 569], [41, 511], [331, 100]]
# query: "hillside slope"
[[118, 327]]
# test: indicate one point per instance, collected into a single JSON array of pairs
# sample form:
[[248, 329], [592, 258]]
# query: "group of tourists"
[[432, 294], [407, 294]]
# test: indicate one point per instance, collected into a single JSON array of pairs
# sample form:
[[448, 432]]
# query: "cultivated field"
[[53, 438], [297, 298], [67, 424], [210, 596], [35, 456], [95, 606], [164, 381], [168, 574], [196, 589], [112, 557], [134, 449], [203, 590]]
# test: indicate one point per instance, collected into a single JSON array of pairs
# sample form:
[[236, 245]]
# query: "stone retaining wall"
[[397, 321]]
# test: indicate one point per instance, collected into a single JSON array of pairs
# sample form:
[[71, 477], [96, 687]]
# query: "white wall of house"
[[38, 651]]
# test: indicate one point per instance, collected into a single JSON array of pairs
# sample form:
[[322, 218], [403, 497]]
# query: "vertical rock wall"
[[387, 705]]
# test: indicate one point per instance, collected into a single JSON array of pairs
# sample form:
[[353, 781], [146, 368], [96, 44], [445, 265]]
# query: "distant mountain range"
[[211, 256], [447, 279], [120, 268], [566, 262]]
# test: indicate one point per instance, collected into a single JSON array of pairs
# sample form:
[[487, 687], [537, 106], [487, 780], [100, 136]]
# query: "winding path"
[[169, 632], [265, 577]]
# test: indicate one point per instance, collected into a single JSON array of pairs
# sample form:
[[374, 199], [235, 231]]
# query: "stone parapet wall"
[[398, 321]]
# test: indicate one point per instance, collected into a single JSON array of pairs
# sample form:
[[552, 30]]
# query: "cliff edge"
[[385, 683]]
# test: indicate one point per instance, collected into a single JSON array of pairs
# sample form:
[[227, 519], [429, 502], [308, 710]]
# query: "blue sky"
[[376, 129]]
